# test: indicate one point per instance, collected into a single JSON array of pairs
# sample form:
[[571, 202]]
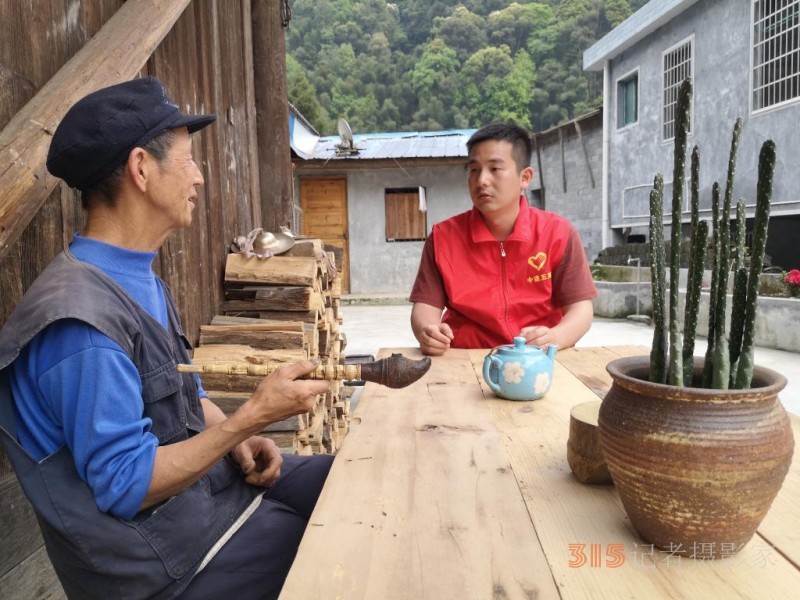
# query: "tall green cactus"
[[721, 356], [716, 372], [658, 353], [675, 373], [729, 363], [737, 319], [739, 289], [766, 170], [694, 285], [694, 278], [720, 372], [713, 296], [741, 229]]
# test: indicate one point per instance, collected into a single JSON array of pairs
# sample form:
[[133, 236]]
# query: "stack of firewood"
[[280, 310]]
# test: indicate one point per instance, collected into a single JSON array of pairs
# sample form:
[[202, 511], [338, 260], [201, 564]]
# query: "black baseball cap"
[[98, 133]]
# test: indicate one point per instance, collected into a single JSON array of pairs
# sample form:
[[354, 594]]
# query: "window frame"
[[387, 193], [663, 107], [752, 70], [624, 79]]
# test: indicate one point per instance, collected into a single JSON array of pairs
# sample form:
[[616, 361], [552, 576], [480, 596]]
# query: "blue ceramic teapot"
[[519, 371]]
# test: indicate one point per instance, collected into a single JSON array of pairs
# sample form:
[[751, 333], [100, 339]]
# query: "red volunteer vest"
[[494, 289]]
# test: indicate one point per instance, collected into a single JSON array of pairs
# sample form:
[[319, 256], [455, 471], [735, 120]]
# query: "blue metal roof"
[[307, 143], [401, 144], [638, 26]]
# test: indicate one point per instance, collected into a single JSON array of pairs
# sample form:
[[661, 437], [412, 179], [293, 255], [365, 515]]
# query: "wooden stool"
[[584, 453]]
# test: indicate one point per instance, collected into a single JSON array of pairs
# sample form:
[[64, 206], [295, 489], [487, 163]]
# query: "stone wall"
[[777, 319]]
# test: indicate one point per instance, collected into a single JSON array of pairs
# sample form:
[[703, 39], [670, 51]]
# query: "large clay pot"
[[697, 469]]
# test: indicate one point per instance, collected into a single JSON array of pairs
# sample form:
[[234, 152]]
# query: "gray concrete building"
[[378, 199], [744, 58], [568, 165]]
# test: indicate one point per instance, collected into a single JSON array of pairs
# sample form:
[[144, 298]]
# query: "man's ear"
[[139, 165], [525, 177]]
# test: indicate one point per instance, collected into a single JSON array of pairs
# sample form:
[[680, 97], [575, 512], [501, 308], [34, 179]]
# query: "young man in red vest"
[[502, 269]]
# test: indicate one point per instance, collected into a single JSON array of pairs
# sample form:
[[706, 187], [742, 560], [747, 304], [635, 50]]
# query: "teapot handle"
[[487, 364]]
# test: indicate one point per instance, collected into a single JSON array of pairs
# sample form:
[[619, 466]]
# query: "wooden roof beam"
[[116, 53]]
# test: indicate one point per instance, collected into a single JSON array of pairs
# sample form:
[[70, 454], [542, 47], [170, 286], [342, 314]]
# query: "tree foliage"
[[442, 64]]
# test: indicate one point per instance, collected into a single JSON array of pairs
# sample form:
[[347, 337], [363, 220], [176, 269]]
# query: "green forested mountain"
[[441, 64]]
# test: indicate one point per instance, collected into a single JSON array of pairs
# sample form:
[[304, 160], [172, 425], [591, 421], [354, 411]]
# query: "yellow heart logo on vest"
[[537, 262]]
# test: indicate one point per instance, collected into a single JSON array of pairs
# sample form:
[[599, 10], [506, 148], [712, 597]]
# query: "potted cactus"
[[698, 447]]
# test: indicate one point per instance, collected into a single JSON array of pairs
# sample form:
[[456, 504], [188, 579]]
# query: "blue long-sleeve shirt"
[[73, 385]]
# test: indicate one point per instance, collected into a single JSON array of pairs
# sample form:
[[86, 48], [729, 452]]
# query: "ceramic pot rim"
[[632, 371]]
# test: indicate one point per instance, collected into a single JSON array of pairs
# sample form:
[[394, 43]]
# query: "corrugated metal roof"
[[639, 25], [403, 144]]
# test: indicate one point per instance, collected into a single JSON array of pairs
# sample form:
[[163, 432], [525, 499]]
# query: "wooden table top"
[[441, 490]]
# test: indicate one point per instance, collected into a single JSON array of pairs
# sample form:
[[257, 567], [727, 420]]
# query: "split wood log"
[[314, 431], [278, 270], [258, 336], [238, 353], [229, 403], [279, 325], [584, 453], [287, 441], [264, 297], [116, 53], [311, 316], [306, 247], [223, 382], [395, 371], [325, 339]]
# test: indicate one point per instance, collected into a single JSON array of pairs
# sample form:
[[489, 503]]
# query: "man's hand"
[[281, 395], [260, 460], [434, 340], [434, 337], [576, 321], [538, 335]]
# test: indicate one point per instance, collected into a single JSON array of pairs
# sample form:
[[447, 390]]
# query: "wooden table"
[[442, 490]]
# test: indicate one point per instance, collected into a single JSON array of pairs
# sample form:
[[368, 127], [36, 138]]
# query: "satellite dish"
[[347, 145]]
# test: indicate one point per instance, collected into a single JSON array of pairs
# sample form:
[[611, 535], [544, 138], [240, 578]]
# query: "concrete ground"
[[371, 327]]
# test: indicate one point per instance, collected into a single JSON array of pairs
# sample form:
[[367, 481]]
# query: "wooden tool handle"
[[329, 373], [395, 371]]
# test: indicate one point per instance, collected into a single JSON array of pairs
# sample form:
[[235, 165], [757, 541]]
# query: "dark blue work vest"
[[95, 554]]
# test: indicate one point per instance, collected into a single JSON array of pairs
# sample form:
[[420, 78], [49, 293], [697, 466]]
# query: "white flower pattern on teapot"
[[513, 372], [542, 384]]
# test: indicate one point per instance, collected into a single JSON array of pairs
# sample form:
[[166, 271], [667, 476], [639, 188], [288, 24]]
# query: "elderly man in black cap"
[[142, 487]]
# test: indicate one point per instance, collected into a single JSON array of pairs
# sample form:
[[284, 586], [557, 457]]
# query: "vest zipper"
[[504, 284]]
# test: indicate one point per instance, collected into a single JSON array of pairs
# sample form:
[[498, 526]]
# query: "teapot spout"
[[551, 351]]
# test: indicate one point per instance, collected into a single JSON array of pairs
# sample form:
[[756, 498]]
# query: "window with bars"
[[677, 67], [627, 100], [404, 219], [776, 52]]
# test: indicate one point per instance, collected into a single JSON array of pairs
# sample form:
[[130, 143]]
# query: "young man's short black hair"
[[520, 139]]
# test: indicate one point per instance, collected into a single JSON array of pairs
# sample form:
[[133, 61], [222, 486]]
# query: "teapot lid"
[[517, 347]]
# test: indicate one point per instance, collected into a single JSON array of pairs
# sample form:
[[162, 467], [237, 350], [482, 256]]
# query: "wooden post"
[[272, 115], [563, 160], [115, 54], [542, 195], [585, 152]]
